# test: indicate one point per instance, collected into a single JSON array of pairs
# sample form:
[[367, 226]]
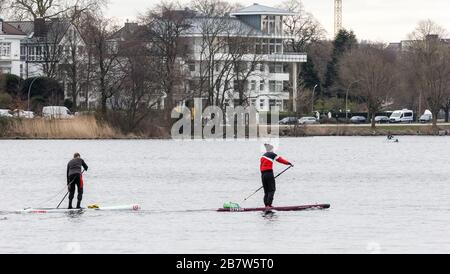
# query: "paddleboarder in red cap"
[[268, 178]]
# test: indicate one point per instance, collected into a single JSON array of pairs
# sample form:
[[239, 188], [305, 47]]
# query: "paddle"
[[263, 186], [67, 192]]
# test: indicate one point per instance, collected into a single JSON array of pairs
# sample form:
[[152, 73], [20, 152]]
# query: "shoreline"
[[89, 128]]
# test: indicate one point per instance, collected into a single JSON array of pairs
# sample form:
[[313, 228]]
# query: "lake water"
[[385, 197]]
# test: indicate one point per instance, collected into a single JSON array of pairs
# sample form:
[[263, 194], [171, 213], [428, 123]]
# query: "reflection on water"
[[270, 215]]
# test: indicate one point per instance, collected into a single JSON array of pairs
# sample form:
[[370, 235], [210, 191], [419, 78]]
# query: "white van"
[[5, 113], [56, 112], [402, 116]]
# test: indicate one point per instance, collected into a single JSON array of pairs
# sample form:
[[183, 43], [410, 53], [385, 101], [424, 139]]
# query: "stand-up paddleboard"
[[286, 208], [89, 208]]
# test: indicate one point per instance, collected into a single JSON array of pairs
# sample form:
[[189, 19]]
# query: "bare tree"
[[429, 57], [371, 69], [33, 9], [140, 92], [225, 53], [166, 24], [51, 51], [302, 27], [214, 8], [105, 53]]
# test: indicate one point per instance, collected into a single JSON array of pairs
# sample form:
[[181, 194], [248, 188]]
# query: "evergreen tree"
[[344, 41]]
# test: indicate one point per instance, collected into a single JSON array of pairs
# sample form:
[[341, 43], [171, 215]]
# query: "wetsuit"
[[268, 178], [74, 178]]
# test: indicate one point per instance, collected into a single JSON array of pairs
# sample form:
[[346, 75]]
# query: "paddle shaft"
[[259, 189], [67, 191]]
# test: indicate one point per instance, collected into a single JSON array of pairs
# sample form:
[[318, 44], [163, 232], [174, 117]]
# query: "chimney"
[[131, 27], [39, 27]]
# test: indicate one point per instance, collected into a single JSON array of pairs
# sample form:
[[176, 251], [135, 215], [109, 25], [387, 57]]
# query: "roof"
[[129, 30], [232, 24], [25, 26], [8, 29], [257, 9], [55, 29]]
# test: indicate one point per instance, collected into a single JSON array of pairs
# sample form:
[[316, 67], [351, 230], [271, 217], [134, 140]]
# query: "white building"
[[10, 38], [274, 84], [46, 48]]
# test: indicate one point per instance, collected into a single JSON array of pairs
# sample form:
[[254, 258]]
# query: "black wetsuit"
[[268, 180], [74, 179]]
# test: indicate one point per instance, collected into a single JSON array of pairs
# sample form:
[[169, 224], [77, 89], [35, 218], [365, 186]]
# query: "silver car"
[[358, 120], [308, 121]]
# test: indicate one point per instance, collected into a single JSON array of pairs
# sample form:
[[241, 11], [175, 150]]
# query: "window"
[[269, 23], [262, 67], [272, 103], [279, 104], [262, 85], [269, 46], [217, 67], [262, 103], [276, 68], [276, 86], [253, 85], [265, 23], [191, 66], [23, 51], [272, 86], [5, 49], [254, 102]]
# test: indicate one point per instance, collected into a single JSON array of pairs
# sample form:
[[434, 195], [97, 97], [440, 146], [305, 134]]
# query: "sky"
[[374, 20]]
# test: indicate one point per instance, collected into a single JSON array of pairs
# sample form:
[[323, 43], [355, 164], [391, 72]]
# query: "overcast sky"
[[375, 20]]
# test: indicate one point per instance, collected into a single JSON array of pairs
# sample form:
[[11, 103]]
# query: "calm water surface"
[[385, 197]]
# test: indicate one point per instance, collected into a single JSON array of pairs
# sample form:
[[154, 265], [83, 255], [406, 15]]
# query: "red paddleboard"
[[285, 208]]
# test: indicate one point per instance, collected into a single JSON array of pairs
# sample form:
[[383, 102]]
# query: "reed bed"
[[86, 127]]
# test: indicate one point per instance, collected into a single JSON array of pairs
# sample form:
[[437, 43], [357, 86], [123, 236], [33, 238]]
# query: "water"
[[385, 197]]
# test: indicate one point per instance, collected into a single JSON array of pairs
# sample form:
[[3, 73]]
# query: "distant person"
[[268, 178], [75, 178], [390, 136]]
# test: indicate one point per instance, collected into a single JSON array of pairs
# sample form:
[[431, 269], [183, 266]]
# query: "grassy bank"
[[346, 130], [79, 128]]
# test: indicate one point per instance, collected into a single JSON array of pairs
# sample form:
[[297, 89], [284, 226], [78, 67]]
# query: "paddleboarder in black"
[[268, 178], [74, 178]]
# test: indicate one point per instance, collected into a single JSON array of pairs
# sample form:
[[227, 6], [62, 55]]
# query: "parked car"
[[382, 119], [308, 121], [402, 116], [5, 113], [427, 117], [19, 113], [358, 120], [56, 112], [289, 121]]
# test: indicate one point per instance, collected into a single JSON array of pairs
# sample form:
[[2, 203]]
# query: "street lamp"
[[313, 96], [29, 91], [346, 99]]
